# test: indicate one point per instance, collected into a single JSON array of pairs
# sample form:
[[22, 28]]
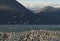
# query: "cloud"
[[36, 4], [41, 4]]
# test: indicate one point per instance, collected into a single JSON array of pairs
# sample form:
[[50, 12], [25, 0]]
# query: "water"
[[21, 28]]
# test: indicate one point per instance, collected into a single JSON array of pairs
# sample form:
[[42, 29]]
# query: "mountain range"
[[12, 12], [50, 15]]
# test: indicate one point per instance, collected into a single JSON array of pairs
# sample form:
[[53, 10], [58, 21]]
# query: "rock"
[[34, 35]]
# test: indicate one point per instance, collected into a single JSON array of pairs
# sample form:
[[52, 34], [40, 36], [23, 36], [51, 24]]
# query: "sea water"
[[21, 28]]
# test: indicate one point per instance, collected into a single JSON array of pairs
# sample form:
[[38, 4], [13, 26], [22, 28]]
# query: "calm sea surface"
[[20, 28]]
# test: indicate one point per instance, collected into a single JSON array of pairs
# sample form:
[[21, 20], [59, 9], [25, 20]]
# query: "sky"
[[39, 3]]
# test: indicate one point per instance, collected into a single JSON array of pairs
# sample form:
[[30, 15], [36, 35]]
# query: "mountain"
[[46, 8], [49, 15], [12, 12], [14, 4]]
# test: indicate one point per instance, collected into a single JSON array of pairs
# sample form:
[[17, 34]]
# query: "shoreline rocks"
[[33, 35]]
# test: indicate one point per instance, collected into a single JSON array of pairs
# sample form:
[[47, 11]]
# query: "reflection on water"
[[20, 28]]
